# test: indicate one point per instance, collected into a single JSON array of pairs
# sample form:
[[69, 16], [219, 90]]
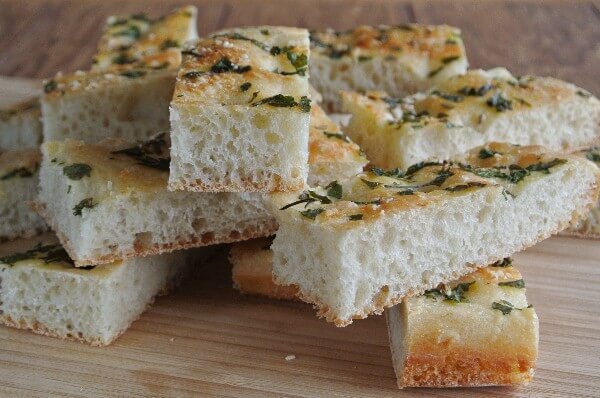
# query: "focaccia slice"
[[127, 93], [398, 59], [476, 331], [43, 292], [20, 126], [589, 225], [471, 110], [129, 39], [240, 112], [357, 247], [19, 173], [109, 200]]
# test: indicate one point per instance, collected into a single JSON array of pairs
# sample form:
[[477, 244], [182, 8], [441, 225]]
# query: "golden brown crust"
[[264, 286], [460, 367], [272, 184], [260, 229]]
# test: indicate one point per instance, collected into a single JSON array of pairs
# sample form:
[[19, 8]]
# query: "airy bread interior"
[[20, 126], [350, 269], [89, 305]]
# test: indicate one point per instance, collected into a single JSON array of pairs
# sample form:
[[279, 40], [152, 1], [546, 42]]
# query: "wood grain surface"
[[558, 38], [207, 340]]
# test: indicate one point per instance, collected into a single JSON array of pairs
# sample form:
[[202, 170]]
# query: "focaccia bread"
[[589, 225], [43, 292], [19, 173], [476, 331], [398, 59], [109, 201], [357, 247], [127, 93], [20, 126], [240, 112], [471, 110], [130, 39]]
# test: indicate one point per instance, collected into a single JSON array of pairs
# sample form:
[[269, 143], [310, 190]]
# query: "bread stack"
[[174, 142]]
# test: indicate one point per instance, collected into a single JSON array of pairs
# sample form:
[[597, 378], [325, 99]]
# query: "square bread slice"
[[127, 93], [20, 126], [43, 292], [476, 331], [357, 247], [471, 110], [401, 60], [589, 225], [240, 112], [19, 173], [109, 200]]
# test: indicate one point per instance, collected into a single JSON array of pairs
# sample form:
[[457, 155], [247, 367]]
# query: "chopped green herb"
[[519, 284], [583, 93], [446, 96], [285, 101], [143, 153], [370, 184], [131, 31], [499, 102], [462, 187], [238, 36], [123, 59], [507, 262], [193, 74], [355, 217], [47, 253], [447, 60], [304, 104], [486, 153], [265, 32], [224, 65], [363, 58], [476, 91], [312, 213], [334, 190], [87, 203], [21, 172], [50, 86], [245, 86], [456, 295], [132, 74], [169, 43], [593, 155], [77, 171], [504, 306]]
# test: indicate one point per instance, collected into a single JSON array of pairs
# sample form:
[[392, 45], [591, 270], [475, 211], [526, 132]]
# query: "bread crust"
[[260, 229], [385, 301], [273, 184], [41, 329]]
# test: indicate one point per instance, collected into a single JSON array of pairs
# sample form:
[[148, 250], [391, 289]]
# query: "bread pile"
[[171, 144]]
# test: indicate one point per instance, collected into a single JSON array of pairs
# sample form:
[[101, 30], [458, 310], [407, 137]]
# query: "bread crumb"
[[172, 339], [290, 357]]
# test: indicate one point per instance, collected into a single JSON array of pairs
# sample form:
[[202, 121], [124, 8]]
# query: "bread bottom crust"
[[465, 368], [261, 228], [42, 329]]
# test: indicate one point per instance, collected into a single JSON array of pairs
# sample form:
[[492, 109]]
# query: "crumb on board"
[[290, 357]]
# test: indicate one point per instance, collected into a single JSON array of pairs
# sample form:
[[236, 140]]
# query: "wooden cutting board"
[[207, 340]]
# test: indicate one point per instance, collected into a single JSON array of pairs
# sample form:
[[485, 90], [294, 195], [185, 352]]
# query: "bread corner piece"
[[20, 126], [398, 59], [128, 90], [240, 112], [109, 201], [43, 292], [470, 110], [19, 173], [251, 273], [476, 331], [589, 225], [356, 247]]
